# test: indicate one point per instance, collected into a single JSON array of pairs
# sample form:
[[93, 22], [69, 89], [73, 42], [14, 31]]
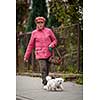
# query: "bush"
[[79, 80]]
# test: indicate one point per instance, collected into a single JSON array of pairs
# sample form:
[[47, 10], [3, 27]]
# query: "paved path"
[[30, 88]]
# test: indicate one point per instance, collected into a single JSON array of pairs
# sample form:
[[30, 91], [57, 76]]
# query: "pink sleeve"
[[53, 38], [30, 47]]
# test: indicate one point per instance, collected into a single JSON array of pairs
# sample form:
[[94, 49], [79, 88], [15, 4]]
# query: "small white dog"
[[54, 84]]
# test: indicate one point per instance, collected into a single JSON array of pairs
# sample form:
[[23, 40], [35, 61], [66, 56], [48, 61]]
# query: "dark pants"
[[44, 69]]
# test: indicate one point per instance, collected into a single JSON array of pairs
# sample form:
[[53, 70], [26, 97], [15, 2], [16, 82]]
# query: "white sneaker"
[[45, 87]]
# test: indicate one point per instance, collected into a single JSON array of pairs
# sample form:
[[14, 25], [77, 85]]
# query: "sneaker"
[[44, 82], [45, 87]]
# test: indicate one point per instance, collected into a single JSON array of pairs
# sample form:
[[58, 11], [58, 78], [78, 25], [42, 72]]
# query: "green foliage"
[[64, 77], [21, 14], [52, 21], [72, 69], [67, 12], [68, 47], [79, 80], [39, 8], [58, 68]]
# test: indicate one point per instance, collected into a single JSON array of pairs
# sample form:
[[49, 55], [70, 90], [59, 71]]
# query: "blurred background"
[[65, 18]]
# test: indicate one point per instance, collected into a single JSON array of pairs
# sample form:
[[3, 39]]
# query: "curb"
[[69, 77]]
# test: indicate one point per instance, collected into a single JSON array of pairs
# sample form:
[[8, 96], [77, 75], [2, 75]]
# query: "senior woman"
[[43, 41]]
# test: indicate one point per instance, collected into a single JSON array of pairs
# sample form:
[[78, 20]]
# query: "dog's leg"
[[55, 89], [45, 87], [49, 88], [61, 87]]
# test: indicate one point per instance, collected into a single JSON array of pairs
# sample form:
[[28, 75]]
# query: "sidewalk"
[[30, 88]]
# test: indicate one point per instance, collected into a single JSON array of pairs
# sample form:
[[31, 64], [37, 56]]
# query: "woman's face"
[[40, 25]]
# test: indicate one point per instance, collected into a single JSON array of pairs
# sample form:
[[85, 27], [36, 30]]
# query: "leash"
[[58, 52], [54, 68]]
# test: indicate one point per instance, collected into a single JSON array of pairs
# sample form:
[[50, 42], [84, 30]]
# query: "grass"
[[79, 80]]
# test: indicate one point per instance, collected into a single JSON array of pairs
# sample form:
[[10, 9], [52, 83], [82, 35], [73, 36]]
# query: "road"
[[31, 88]]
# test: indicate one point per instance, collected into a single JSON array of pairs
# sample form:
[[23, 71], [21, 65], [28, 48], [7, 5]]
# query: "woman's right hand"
[[50, 49]]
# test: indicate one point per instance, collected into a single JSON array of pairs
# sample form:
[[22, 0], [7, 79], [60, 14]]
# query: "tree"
[[22, 9], [39, 8], [67, 12]]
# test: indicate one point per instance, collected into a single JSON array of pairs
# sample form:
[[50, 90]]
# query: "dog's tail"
[[48, 78]]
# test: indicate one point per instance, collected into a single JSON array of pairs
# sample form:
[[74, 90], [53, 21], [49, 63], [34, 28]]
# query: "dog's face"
[[59, 81]]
